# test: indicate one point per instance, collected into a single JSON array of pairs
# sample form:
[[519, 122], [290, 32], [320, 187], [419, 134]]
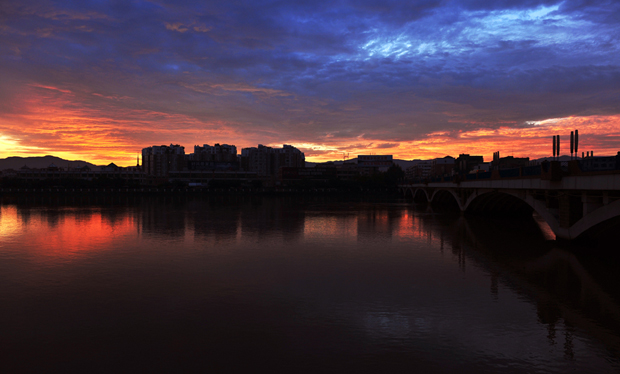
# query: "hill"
[[41, 162]]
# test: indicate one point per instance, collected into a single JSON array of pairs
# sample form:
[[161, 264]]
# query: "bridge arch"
[[573, 206], [407, 191], [513, 201], [420, 195], [605, 213], [446, 196], [497, 202]]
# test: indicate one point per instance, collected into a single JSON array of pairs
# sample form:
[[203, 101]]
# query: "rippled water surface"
[[295, 284]]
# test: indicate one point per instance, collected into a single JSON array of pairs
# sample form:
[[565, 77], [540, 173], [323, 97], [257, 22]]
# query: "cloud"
[[386, 145], [180, 27], [337, 75]]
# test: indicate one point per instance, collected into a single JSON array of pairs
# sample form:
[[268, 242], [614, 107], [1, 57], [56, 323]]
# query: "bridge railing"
[[533, 170], [544, 170], [599, 164], [510, 173]]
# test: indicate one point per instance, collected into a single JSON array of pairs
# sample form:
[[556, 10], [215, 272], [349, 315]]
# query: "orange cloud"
[[177, 26], [50, 121], [596, 133], [103, 128]]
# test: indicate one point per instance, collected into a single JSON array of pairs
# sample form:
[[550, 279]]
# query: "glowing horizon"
[[98, 82]]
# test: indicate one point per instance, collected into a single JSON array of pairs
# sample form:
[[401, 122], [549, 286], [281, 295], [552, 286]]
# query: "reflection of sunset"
[[10, 226], [411, 226], [408, 226], [64, 235], [330, 227]]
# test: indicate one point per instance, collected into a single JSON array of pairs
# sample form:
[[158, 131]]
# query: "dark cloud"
[[310, 71], [386, 145]]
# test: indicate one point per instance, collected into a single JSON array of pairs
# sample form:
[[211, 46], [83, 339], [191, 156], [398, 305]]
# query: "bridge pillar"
[[591, 203], [570, 210]]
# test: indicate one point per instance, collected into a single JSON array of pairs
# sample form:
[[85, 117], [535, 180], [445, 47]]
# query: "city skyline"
[[100, 81]]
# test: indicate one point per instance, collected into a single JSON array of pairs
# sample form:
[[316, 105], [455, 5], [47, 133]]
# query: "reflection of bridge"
[[570, 201]]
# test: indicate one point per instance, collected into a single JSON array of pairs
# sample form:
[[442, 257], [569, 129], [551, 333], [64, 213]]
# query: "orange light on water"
[[63, 235]]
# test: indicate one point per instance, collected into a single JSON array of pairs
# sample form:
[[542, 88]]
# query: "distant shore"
[[194, 191]]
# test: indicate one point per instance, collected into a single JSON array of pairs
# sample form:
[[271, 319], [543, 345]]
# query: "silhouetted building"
[[509, 162], [379, 161], [111, 172], [267, 161], [421, 169], [217, 157], [159, 160], [466, 163], [110, 167], [442, 166], [600, 163], [349, 171]]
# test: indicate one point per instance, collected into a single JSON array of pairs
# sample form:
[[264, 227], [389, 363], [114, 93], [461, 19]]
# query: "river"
[[295, 284]]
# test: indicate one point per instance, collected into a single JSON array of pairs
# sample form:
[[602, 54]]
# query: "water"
[[294, 284]]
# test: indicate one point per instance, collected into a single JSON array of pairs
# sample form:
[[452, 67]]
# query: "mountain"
[[40, 162], [405, 164]]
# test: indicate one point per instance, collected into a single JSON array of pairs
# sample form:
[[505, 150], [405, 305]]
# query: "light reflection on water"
[[294, 284]]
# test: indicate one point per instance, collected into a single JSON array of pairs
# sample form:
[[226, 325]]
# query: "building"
[[480, 168], [132, 175], [442, 166], [509, 162], [420, 170], [159, 160], [267, 161], [378, 161], [592, 163], [217, 157], [466, 163]]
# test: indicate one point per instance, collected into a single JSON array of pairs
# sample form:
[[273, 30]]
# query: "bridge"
[[571, 199]]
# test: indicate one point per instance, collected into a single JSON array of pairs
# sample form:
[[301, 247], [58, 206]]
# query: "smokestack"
[[572, 143], [554, 146], [558, 141], [576, 141]]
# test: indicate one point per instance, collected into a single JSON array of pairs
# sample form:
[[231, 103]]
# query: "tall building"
[[442, 166], [421, 169], [217, 157], [159, 160], [267, 161], [466, 163], [509, 162]]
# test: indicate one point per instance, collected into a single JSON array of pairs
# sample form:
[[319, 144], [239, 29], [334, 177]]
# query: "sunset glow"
[[99, 82]]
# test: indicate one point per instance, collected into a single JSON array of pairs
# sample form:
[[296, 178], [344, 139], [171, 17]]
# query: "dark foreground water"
[[294, 285]]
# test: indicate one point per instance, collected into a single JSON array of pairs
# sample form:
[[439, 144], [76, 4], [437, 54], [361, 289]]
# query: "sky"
[[99, 80]]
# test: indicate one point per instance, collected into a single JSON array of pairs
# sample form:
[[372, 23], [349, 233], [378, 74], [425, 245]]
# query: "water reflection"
[[560, 283], [365, 284]]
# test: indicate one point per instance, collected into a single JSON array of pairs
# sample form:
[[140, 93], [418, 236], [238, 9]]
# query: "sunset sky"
[[100, 80]]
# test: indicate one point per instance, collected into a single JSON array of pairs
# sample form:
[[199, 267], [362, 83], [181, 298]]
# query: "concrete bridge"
[[570, 201]]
